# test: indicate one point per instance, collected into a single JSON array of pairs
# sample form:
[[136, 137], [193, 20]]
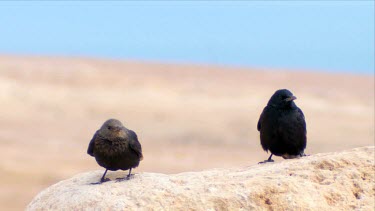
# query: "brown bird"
[[115, 148]]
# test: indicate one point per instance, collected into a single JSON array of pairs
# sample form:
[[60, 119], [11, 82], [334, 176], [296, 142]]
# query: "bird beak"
[[117, 129], [290, 98]]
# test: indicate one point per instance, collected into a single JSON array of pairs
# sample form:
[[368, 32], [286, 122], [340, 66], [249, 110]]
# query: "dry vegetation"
[[187, 117]]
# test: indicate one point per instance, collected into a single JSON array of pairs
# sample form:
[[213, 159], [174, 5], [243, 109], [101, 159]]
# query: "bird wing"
[[134, 144], [303, 118], [300, 111], [260, 120], [90, 150]]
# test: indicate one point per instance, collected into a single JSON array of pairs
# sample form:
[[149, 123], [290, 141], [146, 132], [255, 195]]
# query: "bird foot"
[[304, 155], [266, 161], [101, 181], [128, 177]]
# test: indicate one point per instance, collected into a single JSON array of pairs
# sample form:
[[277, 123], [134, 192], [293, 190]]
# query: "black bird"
[[282, 127], [115, 147]]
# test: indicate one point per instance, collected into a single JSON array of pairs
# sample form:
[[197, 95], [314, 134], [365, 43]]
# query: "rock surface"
[[331, 181]]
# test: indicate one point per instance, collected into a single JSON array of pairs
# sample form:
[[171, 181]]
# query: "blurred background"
[[191, 78]]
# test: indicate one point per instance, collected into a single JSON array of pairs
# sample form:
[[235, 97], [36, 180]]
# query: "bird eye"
[[109, 127]]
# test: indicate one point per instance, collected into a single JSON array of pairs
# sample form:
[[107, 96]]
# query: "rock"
[[331, 181]]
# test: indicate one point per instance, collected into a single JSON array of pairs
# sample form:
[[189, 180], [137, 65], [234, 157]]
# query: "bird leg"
[[268, 160], [128, 177], [103, 179]]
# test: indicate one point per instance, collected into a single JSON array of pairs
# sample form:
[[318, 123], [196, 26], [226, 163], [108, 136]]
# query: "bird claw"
[[266, 161], [128, 177], [95, 183], [101, 181], [105, 180], [304, 155]]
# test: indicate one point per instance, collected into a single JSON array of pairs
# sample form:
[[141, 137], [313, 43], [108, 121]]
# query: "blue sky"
[[321, 35]]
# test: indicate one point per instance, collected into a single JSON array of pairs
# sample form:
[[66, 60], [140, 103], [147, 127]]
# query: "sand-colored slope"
[[187, 117]]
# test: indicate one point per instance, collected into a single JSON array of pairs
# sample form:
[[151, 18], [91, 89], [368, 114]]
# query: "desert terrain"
[[187, 117]]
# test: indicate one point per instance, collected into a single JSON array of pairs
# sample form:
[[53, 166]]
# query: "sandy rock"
[[331, 181]]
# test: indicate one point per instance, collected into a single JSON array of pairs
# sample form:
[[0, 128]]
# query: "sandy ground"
[[187, 117]]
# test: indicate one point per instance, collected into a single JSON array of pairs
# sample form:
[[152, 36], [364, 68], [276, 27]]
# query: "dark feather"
[[90, 149], [134, 144]]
